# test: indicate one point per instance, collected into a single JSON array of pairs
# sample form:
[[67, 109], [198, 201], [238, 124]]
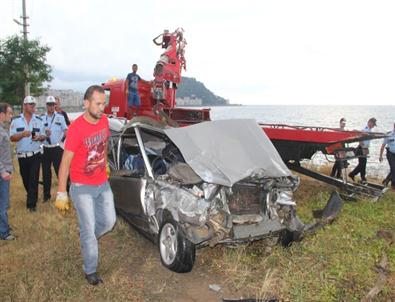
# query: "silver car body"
[[221, 181]]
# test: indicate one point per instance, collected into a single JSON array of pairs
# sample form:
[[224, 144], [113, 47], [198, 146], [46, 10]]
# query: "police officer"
[[55, 131], [363, 151], [389, 140], [27, 130]]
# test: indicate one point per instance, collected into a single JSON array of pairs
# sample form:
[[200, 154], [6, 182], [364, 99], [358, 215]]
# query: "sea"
[[320, 116]]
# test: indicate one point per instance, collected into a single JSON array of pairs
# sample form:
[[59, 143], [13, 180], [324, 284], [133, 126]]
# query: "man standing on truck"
[[85, 157], [131, 91]]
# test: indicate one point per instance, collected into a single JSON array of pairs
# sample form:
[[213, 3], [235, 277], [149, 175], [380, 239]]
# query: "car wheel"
[[177, 253]]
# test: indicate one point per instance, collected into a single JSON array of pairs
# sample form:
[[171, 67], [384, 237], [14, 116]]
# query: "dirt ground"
[[157, 283]]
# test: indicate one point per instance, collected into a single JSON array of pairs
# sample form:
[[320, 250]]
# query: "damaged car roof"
[[227, 151]]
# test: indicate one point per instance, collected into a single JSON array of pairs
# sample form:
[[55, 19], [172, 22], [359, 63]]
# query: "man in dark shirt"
[[131, 90], [58, 109], [338, 166]]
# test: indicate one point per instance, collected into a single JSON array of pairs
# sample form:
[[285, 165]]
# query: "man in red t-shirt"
[[85, 158]]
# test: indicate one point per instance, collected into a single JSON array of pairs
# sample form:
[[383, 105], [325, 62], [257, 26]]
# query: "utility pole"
[[25, 32]]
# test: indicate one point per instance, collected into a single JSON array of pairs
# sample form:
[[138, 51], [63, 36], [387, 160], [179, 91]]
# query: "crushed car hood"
[[227, 151]]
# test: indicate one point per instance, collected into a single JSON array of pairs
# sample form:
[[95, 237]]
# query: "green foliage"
[[22, 61], [191, 88]]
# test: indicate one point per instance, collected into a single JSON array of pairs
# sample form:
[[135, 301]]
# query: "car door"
[[129, 188]]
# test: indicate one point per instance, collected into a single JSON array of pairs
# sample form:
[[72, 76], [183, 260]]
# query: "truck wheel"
[[177, 253]]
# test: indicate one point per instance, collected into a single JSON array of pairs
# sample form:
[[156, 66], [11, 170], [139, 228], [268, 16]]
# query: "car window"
[[130, 156]]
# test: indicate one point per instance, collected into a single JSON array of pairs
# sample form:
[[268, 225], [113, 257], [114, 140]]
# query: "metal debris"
[[214, 287]]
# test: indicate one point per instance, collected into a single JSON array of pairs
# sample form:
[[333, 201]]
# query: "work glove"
[[62, 202], [108, 170]]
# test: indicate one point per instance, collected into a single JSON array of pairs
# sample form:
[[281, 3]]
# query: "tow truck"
[[294, 143]]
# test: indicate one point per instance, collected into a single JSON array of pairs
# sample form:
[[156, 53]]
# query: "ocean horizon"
[[321, 116], [318, 116]]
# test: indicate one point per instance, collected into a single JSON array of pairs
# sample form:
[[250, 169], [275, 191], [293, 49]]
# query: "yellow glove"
[[62, 202], [108, 171]]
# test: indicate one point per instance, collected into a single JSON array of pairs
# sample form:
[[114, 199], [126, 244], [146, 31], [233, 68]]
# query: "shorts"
[[133, 99]]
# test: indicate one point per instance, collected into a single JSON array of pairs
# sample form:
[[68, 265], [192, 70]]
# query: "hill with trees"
[[197, 94]]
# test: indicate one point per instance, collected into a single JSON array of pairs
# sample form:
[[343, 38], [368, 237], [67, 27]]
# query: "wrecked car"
[[209, 183]]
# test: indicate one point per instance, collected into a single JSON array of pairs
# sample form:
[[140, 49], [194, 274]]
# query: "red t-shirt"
[[88, 142]]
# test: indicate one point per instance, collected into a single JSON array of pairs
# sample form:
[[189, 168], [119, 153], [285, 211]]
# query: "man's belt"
[[27, 154], [52, 146]]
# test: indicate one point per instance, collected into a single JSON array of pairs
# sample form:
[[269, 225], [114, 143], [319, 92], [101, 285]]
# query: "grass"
[[336, 264]]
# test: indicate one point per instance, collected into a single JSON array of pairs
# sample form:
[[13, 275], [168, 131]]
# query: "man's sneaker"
[[47, 198], [93, 279], [31, 209], [9, 237], [352, 177]]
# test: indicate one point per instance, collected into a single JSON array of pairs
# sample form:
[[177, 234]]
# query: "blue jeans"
[[133, 99], [96, 216], [4, 205]]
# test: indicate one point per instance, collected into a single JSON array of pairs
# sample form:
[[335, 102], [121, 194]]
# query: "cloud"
[[255, 52]]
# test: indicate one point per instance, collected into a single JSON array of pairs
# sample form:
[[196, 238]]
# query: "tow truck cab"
[[117, 105]]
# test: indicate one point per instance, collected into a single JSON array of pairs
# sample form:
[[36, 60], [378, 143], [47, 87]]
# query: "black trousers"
[[51, 156], [391, 161], [30, 172], [361, 167], [336, 169]]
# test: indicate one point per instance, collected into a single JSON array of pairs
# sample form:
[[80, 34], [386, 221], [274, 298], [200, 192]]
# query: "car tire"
[[177, 253]]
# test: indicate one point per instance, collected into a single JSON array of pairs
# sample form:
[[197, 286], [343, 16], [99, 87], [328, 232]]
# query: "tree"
[[22, 61]]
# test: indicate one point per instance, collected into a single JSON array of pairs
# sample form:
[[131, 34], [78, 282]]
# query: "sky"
[[250, 52]]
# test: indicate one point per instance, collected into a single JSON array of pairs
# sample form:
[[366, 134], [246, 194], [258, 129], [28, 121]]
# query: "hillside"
[[193, 93]]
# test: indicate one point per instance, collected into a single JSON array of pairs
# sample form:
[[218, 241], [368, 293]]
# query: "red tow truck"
[[294, 143], [158, 97]]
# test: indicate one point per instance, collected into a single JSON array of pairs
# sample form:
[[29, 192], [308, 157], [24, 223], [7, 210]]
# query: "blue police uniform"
[[26, 147], [28, 153], [365, 144], [53, 148], [389, 140], [57, 124]]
